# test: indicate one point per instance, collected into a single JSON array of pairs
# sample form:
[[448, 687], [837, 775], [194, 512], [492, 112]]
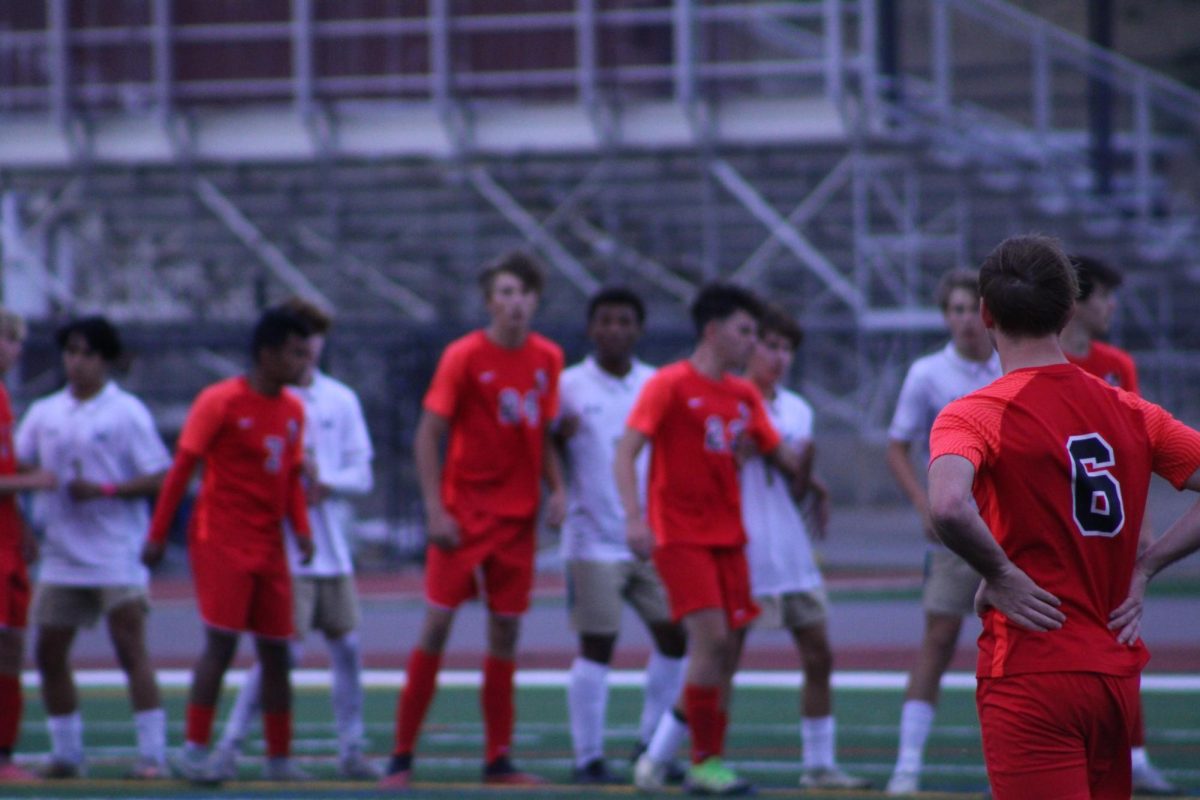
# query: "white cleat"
[[649, 775], [831, 778], [904, 782]]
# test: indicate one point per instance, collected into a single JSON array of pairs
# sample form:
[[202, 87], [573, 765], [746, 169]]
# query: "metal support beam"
[[791, 238], [684, 36], [225, 210], [529, 227], [163, 57], [58, 57], [585, 53], [606, 246], [302, 57]]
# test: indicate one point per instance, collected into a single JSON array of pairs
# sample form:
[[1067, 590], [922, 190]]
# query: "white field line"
[[756, 679]]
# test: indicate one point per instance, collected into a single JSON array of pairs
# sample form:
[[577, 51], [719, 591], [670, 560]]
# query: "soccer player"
[[494, 395], [966, 363], [784, 578], [338, 466], [597, 395], [101, 444], [1098, 283], [1058, 463], [700, 419], [248, 432], [18, 547]]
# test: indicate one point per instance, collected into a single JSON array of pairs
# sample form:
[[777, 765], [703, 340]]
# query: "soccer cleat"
[[649, 775], [354, 766], [503, 772], [194, 765], [904, 782], [225, 763], [712, 777], [593, 772], [148, 769], [399, 772], [284, 770], [57, 770], [1150, 782], [12, 773], [831, 778]]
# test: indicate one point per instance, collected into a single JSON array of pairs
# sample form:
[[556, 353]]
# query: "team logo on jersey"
[[1113, 379], [487, 376], [695, 402], [246, 423], [293, 430], [540, 380]]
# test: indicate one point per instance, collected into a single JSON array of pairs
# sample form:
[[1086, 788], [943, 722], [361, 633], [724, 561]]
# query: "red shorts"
[[239, 594], [1064, 735], [14, 593], [495, 557], [698, 577]]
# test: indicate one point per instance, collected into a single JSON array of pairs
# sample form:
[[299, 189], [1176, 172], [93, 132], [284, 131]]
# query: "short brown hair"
[[956, 279], [12, 325], [318, 319], [1028, 285], [776, 320], [521, 265]]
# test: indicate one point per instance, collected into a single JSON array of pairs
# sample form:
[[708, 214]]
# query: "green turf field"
[[763, 743]]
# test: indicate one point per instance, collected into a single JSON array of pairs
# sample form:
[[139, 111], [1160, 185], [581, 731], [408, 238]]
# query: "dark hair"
[[617, 296], [319, 320], [100, 334], [1092, 272], [1028, 286], [719, 301], [523, 266], [274, 328], [956, 279], [776, 320]]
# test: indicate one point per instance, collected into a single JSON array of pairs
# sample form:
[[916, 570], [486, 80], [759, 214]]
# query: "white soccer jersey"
[[108, 438], [932, 382], [778, 548], [594, 529], [335, 434]]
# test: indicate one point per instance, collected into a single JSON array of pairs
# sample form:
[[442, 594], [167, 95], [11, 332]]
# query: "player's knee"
[[597, 648], [670, 640], [818, 664]]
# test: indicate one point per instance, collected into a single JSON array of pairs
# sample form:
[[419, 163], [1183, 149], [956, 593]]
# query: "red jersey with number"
[[1062, 466], [251, 446], [1112, 364], [498, 401], [10, 516], [695, 425]]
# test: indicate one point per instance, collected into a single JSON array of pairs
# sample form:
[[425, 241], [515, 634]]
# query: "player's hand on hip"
[[307, 549], [443, 531], [1016, 596], [152, 553], [556, 508], [1126, 619], [640, 538]]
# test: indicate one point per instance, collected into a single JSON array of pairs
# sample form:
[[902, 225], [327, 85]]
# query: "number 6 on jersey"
[[1096, 503]]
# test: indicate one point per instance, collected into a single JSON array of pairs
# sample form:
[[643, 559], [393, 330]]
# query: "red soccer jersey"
[[10, 517], [1112, 364], [251, 445], [498, 401], [1063, 463], [694, 424]]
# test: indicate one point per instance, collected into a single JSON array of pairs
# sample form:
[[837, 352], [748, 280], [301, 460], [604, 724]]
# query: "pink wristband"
[[108, 489]]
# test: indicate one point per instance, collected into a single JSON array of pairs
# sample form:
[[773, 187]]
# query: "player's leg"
[[127, 631], [665, 667], [207, 675], [337, 618], [58, 612], [1147, 780], [271, 621], [14, 608], [594, 600]]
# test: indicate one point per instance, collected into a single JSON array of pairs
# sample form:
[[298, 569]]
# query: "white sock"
[[664, 681], [1139, 757], [916, 720], [244, 710], [151, 727], [817, 736], [668, 736], [347, 693], [587, 704], [66, 737]]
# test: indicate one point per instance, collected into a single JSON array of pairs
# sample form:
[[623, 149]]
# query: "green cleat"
[[712, 777]]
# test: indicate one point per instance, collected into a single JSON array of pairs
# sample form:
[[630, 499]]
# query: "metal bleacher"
[[183, 166]]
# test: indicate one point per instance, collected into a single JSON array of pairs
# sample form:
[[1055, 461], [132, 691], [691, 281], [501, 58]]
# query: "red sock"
[[702, 706], [200, 723], [420, 683], [277, 730], [497, 701], [11, 703], [722, 726], [1139, 725]]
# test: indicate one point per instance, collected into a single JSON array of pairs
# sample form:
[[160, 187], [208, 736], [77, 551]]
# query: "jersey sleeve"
[[146, 447], [203, 422], [26, 439], [961, 430], [912, 407], [1176, 447], [353, 472], [551, 401], [446, 386], [765, 437], [1129, 381], [648, 410]]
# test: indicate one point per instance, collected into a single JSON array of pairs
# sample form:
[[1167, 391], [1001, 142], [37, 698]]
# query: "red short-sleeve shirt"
[[1112, 364], [694, 424], [10, 517]]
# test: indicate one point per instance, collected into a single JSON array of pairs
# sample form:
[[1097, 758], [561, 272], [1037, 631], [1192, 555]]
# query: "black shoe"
[[593, 772], [503, 772], [399, 772]]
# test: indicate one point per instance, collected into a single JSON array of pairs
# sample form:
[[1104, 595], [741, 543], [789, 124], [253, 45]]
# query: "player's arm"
[[140, 486], [297, 510], [899, 461], [28, 479], [174, 486], [552, 474], [957, 522], [1181, 540], [796, 461], [352, 474], [440, 527], [819, 506], [637, 531]]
